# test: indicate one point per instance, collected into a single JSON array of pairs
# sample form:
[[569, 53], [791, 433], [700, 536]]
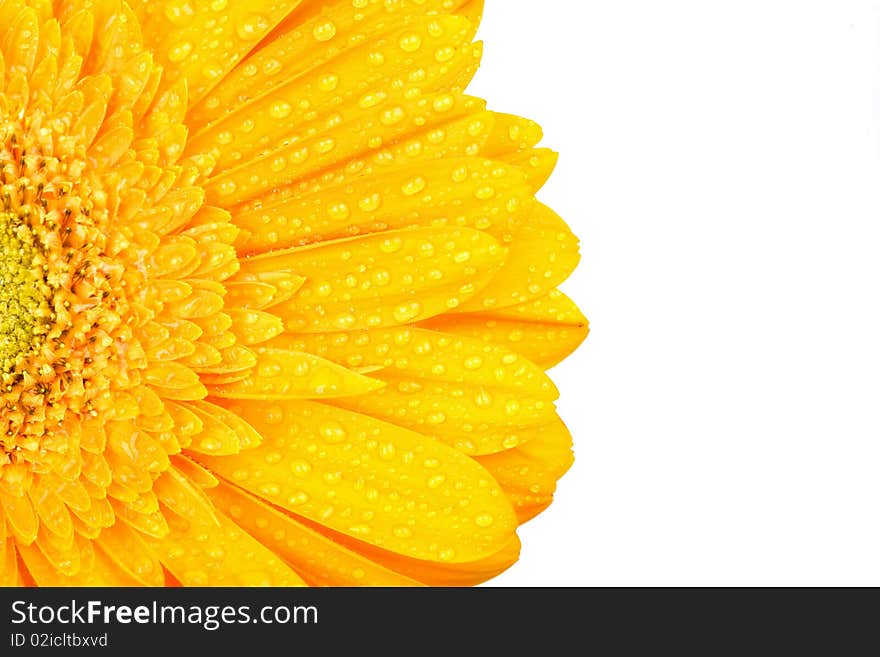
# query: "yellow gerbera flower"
[[277, 297]]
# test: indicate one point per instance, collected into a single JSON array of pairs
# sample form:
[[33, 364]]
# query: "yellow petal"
[[529, 472], [544, 330], [151, 523], [463, 134], [474, 419], [408, 352], [8, 563], [356, 131], [384, 279], [283, 374], [543, 252], [433, 573], [103, 571], [209, 554], [321, 561], [62, 555], [52, 512], [20, 517], [329, 29], [536, 164], [362, 90], [179, 494], [470, 192], [19, 45], [98, 516], [254, 326], [284, 285], [129, 551], [381, 484], [192, 44]]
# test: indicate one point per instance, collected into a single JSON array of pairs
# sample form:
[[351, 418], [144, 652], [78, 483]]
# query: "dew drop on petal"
[[333, 432], [407, 311], [324, 31]]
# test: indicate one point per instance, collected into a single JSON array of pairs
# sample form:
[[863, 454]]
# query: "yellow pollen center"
[[23, 292]]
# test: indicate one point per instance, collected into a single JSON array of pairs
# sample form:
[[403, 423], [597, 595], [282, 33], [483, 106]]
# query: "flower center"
[[24, 309]]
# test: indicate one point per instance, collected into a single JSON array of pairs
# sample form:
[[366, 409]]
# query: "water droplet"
[[447, 554], [510, 441], [298, 498], [179, 11], [485, 193], [370, 203], [410, 42], [444, 54], [324, 31], [328, 82], [268, 369], [372, 99], [414, 186], [179, 51], [333, 432], [332, 477], [270, 489], [278, 163], [407, 311], [325, 145], [484, 520], [381, 277], [338, 211], [391, 245], [345, 321], [473, 363], [271, 66], [250, 27], [210, 444], [280, 109], [391, 116]]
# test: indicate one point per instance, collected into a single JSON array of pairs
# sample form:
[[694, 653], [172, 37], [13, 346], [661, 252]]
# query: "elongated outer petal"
[[320, 560], [200, 44], [359, 84], [284, 374], [312, 35], [529, 472], [432, 573], [543, 252], [544, 330], [357, 132], [381, 484], [202, 553], [461, 191], [384, 279], [406, 351], [473, 419]]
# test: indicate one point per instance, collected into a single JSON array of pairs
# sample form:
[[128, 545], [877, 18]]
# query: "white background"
[[719, 161]]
